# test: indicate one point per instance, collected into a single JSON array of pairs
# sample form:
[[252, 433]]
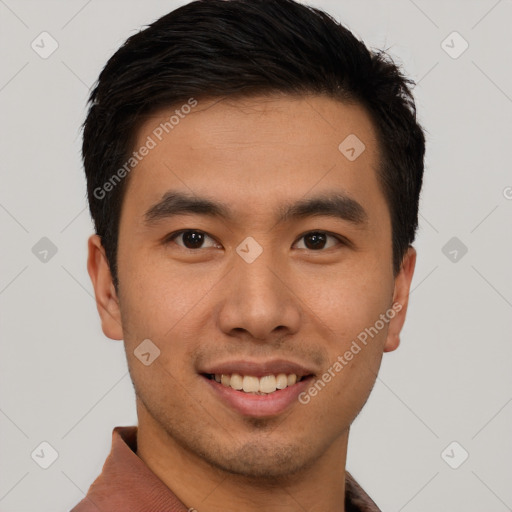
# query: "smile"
[[264, 385]]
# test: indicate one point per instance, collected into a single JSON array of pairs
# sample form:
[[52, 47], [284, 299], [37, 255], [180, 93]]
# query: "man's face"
[[250, 291]]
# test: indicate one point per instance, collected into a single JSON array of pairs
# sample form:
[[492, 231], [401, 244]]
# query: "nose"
[[259, 301]]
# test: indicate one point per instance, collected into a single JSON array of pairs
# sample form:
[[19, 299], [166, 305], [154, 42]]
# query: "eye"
[[194, 239], [191, 239], [317, 240]]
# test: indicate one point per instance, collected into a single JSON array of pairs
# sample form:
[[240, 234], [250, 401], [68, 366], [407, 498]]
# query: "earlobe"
[[400, 300], [107, 301]]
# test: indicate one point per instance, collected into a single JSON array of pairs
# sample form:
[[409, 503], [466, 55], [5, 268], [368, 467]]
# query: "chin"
[[257, 460]]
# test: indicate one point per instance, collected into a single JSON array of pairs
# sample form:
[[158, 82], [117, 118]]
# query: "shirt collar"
[[126, 483]]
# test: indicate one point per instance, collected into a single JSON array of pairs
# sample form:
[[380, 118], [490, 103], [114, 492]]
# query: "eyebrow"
[[336, 205]]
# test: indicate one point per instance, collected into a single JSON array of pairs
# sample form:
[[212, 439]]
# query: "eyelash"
[[172, 237]]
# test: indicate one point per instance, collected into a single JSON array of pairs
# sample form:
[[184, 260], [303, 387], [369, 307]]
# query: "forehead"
[[255, 152]]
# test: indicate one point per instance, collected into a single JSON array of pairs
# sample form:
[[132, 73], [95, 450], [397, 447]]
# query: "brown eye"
[[317, 240], [191, 239]]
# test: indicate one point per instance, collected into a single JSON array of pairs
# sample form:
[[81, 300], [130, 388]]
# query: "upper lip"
[[257, 368]]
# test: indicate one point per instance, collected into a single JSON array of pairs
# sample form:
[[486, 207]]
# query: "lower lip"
[[259, 406]]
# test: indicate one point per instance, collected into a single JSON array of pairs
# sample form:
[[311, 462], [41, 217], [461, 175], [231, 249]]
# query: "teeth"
[[250, 384], [281, 381], [267, 384], [237, 382], [292, 379]]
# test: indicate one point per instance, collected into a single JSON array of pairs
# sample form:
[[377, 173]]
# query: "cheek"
[[352, 308], [356, 354], [163, 302], [347, 302]]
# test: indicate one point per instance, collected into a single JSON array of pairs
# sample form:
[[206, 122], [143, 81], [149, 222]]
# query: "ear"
[[400, 300], [106, 295]]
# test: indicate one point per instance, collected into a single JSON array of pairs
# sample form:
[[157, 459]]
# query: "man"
[[254, 175]]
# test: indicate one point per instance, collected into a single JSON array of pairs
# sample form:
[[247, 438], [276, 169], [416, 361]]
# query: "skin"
[[205, 305]]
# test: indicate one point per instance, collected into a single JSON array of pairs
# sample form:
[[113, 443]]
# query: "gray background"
[[63, 382]]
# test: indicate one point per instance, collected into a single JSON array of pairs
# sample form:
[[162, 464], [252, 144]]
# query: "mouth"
[[257, 389]]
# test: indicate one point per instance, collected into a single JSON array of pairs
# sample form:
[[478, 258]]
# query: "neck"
[[201, 487]]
